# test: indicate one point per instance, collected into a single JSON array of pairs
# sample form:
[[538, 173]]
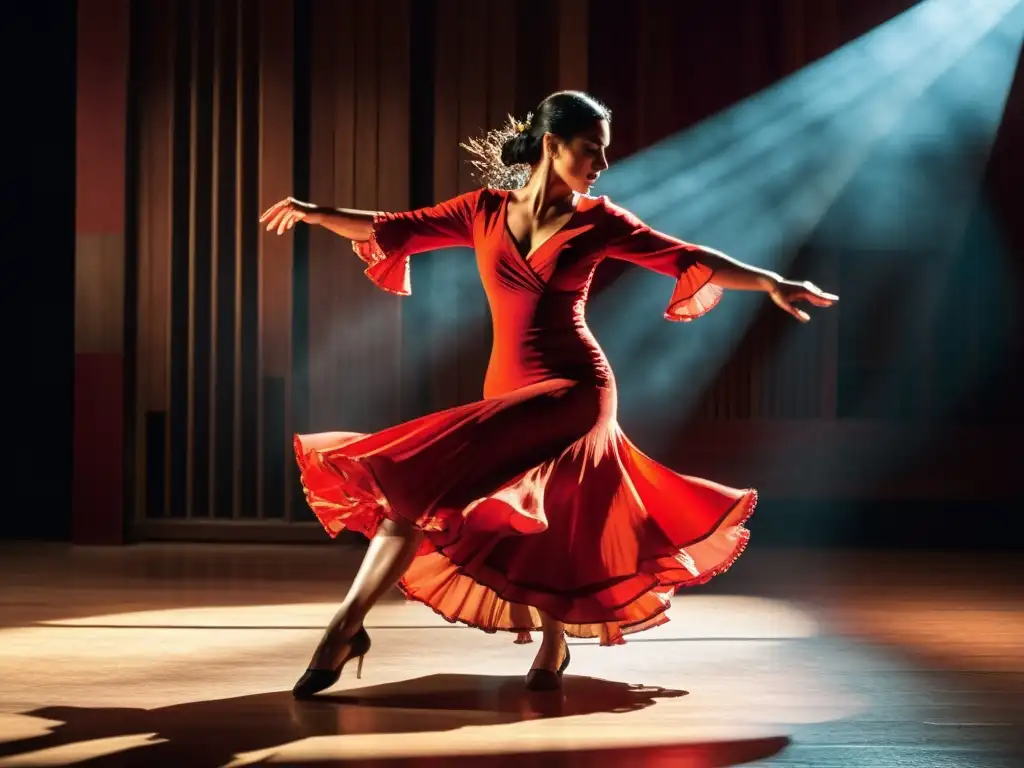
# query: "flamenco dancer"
[[529, 509]]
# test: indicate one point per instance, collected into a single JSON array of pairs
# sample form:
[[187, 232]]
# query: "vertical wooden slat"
[[472, 83], [828, 369], [501, 76], [345, 271], [757, 389], [827, 38], [825, 29], [193, 170], [647, 66], [248, 257], [238, 73], [658, 70], [446, 122], [366, 105], [445, 352], [751, 40], [223, 501], [537, 59], [299, 375], [615, 78], [204, 166], [179, 414], [325, 248], [217, 227], [393, 176], [156, 116], [472, 101], [794, 35], [275, 253], [361, 347], [573, 42], [141, 74]]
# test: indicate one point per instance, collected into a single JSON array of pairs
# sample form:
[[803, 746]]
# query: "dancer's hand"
[[786, 292], [285, 213]]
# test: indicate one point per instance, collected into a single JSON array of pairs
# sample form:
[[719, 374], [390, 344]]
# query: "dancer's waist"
[[519, 365]]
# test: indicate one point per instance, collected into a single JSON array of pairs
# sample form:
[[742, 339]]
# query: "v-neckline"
[[528, 259]]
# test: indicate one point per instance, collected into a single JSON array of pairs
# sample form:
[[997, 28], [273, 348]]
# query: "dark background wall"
[[38, 293]]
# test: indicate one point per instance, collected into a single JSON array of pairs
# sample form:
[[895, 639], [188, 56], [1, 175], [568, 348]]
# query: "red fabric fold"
[[390, 273], [694, 294]]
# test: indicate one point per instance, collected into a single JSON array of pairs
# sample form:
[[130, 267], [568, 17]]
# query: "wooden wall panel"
[[99, 293], [154, 116], [360, 125], [222, 332], [228, 240], [101, 115], [472, 110], [394, 125], [276, 181], [330, 183], [155, 85], [100, 174], [445, 358], [213, 120]]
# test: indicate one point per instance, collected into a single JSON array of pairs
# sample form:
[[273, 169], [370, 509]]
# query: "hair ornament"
[[486, 156]]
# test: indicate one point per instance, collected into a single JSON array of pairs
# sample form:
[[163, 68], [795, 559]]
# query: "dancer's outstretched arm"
[[702, 273], [445, 225], [735, 275], [385, 241], [347, 222]]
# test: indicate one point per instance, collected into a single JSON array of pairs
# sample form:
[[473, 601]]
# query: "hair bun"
[[512, 150], [521, 149]]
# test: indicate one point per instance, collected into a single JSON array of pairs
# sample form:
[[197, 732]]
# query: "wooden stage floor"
[[184, 655]]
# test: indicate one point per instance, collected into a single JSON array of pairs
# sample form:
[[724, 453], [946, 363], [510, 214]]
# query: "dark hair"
[[504, 155]]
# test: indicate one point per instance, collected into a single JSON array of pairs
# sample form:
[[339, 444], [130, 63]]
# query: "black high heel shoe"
[[545, 679], [315, 680]]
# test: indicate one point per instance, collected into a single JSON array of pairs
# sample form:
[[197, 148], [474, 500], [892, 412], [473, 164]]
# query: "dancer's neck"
[[545, 192]]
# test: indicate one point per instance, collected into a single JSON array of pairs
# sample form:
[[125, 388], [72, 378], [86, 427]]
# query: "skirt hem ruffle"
[[362, 504]]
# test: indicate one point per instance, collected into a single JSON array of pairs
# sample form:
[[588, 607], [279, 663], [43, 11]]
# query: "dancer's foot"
[[319, 676], [551, 661], [335, 644]]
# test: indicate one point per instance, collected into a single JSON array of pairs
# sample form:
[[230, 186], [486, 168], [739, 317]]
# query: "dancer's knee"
[[402, 528]]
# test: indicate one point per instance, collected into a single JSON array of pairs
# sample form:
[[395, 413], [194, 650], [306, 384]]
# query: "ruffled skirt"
[[532, 500]]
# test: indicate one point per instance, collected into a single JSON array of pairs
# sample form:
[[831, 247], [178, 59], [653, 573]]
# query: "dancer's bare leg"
[[389, 555], [552, 646]]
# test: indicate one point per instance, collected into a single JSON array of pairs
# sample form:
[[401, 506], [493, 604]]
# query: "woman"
[[528, 510]]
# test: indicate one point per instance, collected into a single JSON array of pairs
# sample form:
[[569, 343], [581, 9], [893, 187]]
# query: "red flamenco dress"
[[532, 497]]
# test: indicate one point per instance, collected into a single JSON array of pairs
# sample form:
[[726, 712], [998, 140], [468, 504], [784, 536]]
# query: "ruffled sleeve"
[[397, 236], [633, 241]]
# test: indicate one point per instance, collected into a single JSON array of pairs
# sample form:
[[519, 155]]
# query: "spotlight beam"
[[771, 220]]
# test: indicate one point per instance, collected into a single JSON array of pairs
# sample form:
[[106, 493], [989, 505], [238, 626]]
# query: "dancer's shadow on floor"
[[218, 732], [503, 699]]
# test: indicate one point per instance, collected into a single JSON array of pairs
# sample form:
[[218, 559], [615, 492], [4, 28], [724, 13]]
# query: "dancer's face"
[[579, 162]]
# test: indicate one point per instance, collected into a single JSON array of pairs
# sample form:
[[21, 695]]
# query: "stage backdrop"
[[202, 343]]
